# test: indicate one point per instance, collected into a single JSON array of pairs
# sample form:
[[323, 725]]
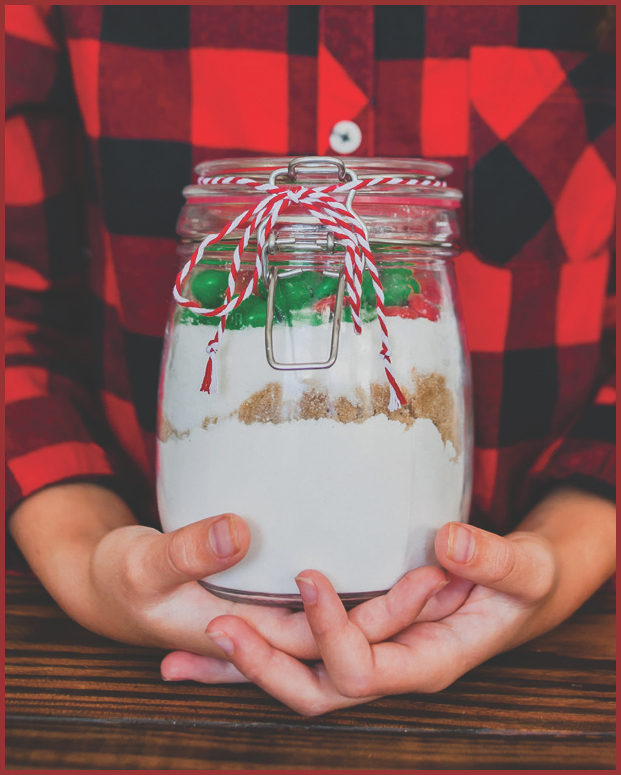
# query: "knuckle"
[[312, 708], [133, 573], [355, 686], [249, 670], [254, 663], [535, 569], [538, 590], [322, 630], [433, 684], [544, 574], [502, 563], [179, 555]]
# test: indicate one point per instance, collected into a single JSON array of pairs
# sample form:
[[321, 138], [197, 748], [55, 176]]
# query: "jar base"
[[349, 599]]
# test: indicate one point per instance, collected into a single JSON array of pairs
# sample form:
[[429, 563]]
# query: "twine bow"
[[347, 228]]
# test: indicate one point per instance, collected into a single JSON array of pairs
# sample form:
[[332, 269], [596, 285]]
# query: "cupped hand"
[[145, 591], [511, 580]]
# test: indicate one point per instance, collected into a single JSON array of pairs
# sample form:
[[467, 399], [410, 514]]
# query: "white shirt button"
[[345, 137]]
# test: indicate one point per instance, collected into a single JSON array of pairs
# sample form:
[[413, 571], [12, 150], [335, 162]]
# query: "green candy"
[[327, 287], [398, 284], [305, 317], [192, 319], [297, 291], [367, 296], [295, 296], [209, 287], [293, 293], [366, 316], [250, 313], [261, 289]]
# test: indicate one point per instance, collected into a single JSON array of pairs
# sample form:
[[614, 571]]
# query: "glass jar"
[[299, 438]]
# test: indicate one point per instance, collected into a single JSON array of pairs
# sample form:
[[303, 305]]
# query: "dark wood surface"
[[79, 701]]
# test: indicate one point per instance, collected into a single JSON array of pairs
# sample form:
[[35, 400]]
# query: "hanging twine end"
[[210, 380], [207, 385], [397, 399]]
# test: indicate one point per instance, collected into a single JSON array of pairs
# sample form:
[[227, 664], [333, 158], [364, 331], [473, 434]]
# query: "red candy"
[[326, 303], [429, 287], [329, 302], [422, 307], [401, 312]]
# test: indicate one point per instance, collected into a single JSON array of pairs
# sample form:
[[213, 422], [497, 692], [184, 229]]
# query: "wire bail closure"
[[271, 275]]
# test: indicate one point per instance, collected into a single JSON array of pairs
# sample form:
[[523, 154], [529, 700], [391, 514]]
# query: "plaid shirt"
[[111, 107]]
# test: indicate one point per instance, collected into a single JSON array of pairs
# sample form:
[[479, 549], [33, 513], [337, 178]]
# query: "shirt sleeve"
[[55, 428], [584, 456]]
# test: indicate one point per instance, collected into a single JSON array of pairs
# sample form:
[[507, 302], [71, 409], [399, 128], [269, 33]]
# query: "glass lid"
[[399, 212], [323, 170]]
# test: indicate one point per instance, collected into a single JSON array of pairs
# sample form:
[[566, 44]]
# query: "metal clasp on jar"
[[271, 275], [319, 164]]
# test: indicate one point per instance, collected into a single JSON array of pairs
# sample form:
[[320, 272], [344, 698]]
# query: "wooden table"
[[79, 701]]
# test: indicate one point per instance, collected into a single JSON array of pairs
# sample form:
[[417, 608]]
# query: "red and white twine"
[[319, 201]]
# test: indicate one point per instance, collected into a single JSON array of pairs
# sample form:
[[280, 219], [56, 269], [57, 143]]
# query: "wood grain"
[[75, 700]]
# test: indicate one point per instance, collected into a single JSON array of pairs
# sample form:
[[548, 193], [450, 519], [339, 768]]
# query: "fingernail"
[[223, 538], [307, 588], [460, 544], [171, 678], [222, 641], [437, 588]]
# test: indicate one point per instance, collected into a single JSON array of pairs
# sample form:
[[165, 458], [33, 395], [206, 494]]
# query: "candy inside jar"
[[326, 470]]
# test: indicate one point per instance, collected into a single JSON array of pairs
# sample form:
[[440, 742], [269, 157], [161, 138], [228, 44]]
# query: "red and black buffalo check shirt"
[[111, 107]]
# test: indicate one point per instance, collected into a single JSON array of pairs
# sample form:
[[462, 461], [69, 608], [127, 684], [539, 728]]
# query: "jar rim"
[[260, 168]]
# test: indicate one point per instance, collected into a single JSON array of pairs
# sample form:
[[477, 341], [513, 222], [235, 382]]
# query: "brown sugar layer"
[[431, 399], [345, 411], [380, 398], [263, 406], [314, 405], [167, 431]]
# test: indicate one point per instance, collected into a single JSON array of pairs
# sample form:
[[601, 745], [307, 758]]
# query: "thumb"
[[522, 564], [195, 551]]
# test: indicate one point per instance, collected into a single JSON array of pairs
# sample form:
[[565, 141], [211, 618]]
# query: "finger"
[[384, 616], [450, 597], [284, 629], [347, 655], [167, 560], [184, 666], [521, 565], [307, 690], [357, 669]]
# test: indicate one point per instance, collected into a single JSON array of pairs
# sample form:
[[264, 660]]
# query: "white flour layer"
[[359, 502]]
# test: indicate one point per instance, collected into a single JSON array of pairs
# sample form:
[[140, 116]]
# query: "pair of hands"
[[420, 637], [137, 585]]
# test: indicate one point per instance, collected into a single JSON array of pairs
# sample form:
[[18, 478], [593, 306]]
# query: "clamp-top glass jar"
[[344, 453]]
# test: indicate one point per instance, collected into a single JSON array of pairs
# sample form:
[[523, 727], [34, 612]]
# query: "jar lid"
[[392, 213]]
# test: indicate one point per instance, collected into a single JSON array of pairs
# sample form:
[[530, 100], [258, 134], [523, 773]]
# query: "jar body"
[[326, 476]]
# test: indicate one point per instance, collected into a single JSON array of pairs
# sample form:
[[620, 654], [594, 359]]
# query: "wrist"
[[579, 529], [58, 529]]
